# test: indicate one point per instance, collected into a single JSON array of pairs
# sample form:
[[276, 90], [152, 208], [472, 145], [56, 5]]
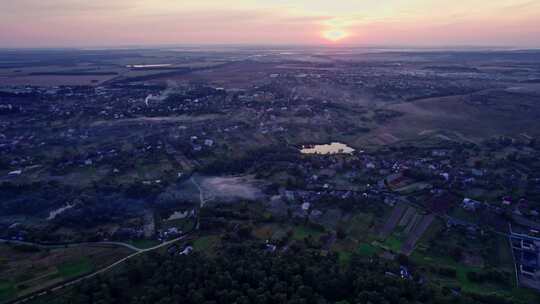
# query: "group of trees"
[[30, 199], [247, 273], [261, 159], [492, 276]]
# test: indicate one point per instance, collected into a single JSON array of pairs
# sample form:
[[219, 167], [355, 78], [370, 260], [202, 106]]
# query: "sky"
[[429, 23]]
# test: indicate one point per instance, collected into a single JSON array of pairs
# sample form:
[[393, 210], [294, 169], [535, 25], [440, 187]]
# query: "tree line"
[[248, 273]]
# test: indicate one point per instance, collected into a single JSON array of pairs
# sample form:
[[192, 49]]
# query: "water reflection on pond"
[[333, 148]]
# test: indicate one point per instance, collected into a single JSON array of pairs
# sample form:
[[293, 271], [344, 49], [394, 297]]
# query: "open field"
[[55, 80], [206, 244], [466, 117], [155, 120], [24, 269]]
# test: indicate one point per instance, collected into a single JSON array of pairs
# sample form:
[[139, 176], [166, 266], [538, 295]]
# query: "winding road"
[[64, 245]]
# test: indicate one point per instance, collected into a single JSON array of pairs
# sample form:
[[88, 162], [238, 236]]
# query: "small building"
[[470, 204], [15, 172], [507, 201], [527, 257], [186, 250]]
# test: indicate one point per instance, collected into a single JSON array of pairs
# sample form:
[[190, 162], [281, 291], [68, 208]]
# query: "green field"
[[344, 258], [205, 243], [359, 226], [428, 255], [368, 250], [75, 268], [508, 290], [302, 232], [23, 272], [7, 290], [393, 243]]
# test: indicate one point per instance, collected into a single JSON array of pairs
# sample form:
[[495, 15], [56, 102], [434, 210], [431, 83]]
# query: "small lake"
[[333, 148]]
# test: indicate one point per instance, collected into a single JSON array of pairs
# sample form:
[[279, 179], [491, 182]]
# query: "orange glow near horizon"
[[335, 35], [67, 23]]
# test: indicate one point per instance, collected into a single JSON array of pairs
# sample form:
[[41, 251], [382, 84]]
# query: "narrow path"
[[202, 202], [201, 194], [103, 270], [66, 245]]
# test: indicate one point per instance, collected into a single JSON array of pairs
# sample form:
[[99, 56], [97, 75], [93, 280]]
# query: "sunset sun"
[[334, 35]]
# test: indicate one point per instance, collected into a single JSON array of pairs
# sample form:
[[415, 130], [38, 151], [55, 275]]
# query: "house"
[[288, 195], [470, 204], [446, 176], [315, 214], [15, 172], [527, 253], [186, 250], [528, 245], [170, 233], [529, 263], [439, 153], [404, 272], [270, 247]]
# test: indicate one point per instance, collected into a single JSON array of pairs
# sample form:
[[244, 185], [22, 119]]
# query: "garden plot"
[[416, 234], [403, 228], [393, 220]]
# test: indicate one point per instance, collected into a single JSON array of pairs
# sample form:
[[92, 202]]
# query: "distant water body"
[[333, 148], [141, 66]]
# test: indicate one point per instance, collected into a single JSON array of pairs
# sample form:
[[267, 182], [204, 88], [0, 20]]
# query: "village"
[[475, 188], [292, 155]]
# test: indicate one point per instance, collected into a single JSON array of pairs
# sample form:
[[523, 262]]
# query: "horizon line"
[[287, 45]]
